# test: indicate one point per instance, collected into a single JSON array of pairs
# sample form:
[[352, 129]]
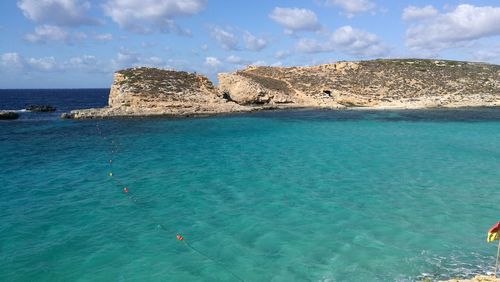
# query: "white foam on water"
[[15, 111], [455, 266]]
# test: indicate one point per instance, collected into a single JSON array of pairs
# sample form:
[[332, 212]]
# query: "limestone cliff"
[[152, 91], [379, 83]]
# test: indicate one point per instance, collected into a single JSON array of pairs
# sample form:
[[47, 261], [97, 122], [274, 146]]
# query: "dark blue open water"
[[272, 196], [64, 100]]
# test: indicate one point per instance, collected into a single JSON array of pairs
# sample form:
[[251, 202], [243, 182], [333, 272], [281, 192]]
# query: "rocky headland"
[[157, 92], [376, 84]]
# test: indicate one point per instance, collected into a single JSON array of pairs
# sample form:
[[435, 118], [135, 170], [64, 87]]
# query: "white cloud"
[[232, 59], [295, 19], [15, 62], [456, 28], [57, 12], [180, 64], [307, 45], [82, 61], [42, 64], [282, 54], [347, 39], [153, 61], [352, 7], [254, 43], [149, 44], [235, 60], [414, 13], [104, 37], [258, 63], [144, 16], [126, 59], [89, 64], [46, 33], [226, 39], [358, 42], [11, 61], [212, 62], [51, 33]]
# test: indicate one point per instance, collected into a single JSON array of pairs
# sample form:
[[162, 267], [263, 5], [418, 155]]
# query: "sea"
[[301, 195]]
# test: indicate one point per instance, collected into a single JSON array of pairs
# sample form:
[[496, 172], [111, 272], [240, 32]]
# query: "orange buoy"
[[125, 190], [179, 237]]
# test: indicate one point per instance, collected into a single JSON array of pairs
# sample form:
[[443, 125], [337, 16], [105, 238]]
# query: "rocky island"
[[6, 115], [377, 84]]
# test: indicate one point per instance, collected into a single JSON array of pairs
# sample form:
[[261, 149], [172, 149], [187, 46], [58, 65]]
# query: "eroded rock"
[[158, 92], [40, 108], [6, 115], [405, 83], [378, 83]]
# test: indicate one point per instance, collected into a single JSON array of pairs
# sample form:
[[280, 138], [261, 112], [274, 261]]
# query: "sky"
[[81, 43]]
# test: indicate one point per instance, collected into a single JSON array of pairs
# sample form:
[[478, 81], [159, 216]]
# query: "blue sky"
[[80, 43]]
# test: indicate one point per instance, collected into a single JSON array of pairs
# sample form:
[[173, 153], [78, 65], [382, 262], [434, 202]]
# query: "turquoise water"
[[279, 196]]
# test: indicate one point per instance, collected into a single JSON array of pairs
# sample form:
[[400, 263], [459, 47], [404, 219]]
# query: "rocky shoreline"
[[376, 84], [478, 278]]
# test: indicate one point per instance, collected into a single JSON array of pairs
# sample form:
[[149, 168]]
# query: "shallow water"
[[273, 196]]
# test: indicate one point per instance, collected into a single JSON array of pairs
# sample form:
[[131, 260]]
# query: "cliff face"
[[151, 91], [378, 83], [149, 88]]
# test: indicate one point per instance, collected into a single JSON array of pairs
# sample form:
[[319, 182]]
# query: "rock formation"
[[398, 83], [478, 278], [6, 115], [151, 91], [378, 83], [40, 108]]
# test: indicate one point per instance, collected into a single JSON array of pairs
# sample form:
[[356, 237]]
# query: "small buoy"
[[110, 161], [125, 190], [179, 237], [110, 174]]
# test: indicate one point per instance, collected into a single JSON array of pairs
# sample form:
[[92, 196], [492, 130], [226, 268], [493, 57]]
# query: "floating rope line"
[[222, 265], [132, 196]]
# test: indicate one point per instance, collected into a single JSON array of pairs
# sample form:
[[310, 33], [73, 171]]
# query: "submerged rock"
[[40, 108], [5, 115]]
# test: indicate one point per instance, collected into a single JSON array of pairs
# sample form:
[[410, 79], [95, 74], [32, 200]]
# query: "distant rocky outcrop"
[[40, 108], [402, 83], [6, 115]]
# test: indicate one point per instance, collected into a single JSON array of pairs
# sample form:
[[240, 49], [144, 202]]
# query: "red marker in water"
[[179, 237], [125, 190]]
